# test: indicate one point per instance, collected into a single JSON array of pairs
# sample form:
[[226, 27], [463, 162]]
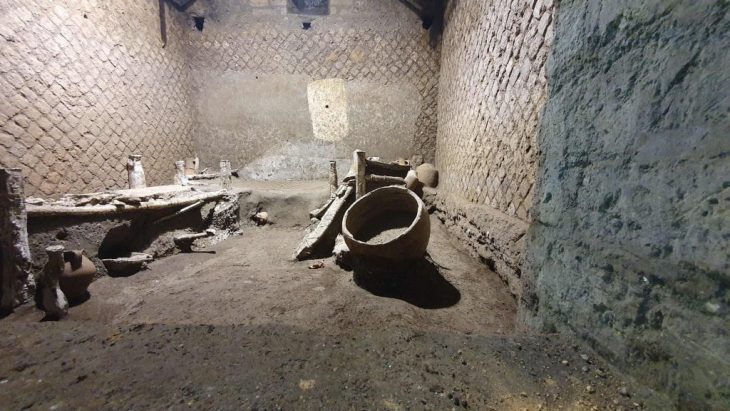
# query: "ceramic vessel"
[[388, 223], [78, 273], [428, 175]]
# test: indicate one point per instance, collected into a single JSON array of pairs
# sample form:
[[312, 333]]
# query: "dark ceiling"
[[181, 4], [430, 11]]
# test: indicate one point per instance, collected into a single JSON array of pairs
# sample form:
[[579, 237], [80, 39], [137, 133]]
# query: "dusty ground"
[[240, 326], [251, 280]]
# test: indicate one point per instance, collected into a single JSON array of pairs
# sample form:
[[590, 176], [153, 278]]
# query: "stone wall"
[[83, 84], [491, 94], [630, 247], [280, 100]]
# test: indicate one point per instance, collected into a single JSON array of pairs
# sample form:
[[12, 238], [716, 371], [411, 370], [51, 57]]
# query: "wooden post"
[[136, 172], [225, 174], [333, 177], [163, 23], [358, 158], [17, 282], [180, 177]]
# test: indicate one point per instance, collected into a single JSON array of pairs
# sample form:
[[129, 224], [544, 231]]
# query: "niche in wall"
[[315, 7]]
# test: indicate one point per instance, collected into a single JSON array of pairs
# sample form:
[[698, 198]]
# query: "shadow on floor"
[[419, 283]]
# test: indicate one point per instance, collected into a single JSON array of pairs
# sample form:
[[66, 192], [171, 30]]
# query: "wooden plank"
[[327, 228]]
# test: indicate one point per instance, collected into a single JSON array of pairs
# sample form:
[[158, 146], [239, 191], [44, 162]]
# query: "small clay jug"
[[78, 273]]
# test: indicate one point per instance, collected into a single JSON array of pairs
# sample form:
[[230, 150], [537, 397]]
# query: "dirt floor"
[[241, 326]]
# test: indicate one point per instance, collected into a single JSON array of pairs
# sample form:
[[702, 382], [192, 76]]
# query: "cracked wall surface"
[[252, 66], [630, 248], [85, 83]]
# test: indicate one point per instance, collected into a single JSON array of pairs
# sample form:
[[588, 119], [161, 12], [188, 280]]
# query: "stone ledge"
[[497, 239]]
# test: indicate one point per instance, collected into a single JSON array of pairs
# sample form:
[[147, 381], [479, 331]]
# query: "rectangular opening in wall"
[[315, 7]]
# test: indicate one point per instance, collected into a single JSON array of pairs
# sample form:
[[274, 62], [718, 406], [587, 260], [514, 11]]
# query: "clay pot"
[[428, 175], [78, 273], [388, 223], [413, 184]]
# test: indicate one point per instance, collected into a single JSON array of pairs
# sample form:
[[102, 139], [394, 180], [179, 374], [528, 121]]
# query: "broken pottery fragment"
[[416, 160], [54, 301], [316, 265], [124, 266], [185, 241]]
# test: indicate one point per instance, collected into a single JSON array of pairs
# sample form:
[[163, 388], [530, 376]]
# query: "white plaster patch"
[[328, 109]]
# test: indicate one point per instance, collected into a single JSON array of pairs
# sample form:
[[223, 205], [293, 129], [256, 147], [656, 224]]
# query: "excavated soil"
[[386, 229], [241, 326]]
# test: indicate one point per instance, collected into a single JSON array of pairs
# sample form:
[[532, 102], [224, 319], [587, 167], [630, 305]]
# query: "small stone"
[[133, 200], [316, 265], [524, 394], [584, 369], [34, 201], [623, 391], [590, 389], [261, 218], [305, 385], [711, 307], [584, 358], [564, 362]]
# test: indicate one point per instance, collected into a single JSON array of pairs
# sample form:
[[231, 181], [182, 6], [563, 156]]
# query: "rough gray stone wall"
[[630, 248], [491, 93], [83, 84], [252, 65]]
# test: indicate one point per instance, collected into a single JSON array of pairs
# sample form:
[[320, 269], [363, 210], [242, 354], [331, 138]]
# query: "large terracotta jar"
[[388, 223], [78, 273]]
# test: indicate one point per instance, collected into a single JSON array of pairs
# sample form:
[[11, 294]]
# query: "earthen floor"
[[241, 326]]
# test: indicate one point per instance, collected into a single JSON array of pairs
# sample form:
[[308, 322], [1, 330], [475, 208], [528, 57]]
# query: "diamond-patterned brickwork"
[[84, 83], [372, 50], [492, 91]]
